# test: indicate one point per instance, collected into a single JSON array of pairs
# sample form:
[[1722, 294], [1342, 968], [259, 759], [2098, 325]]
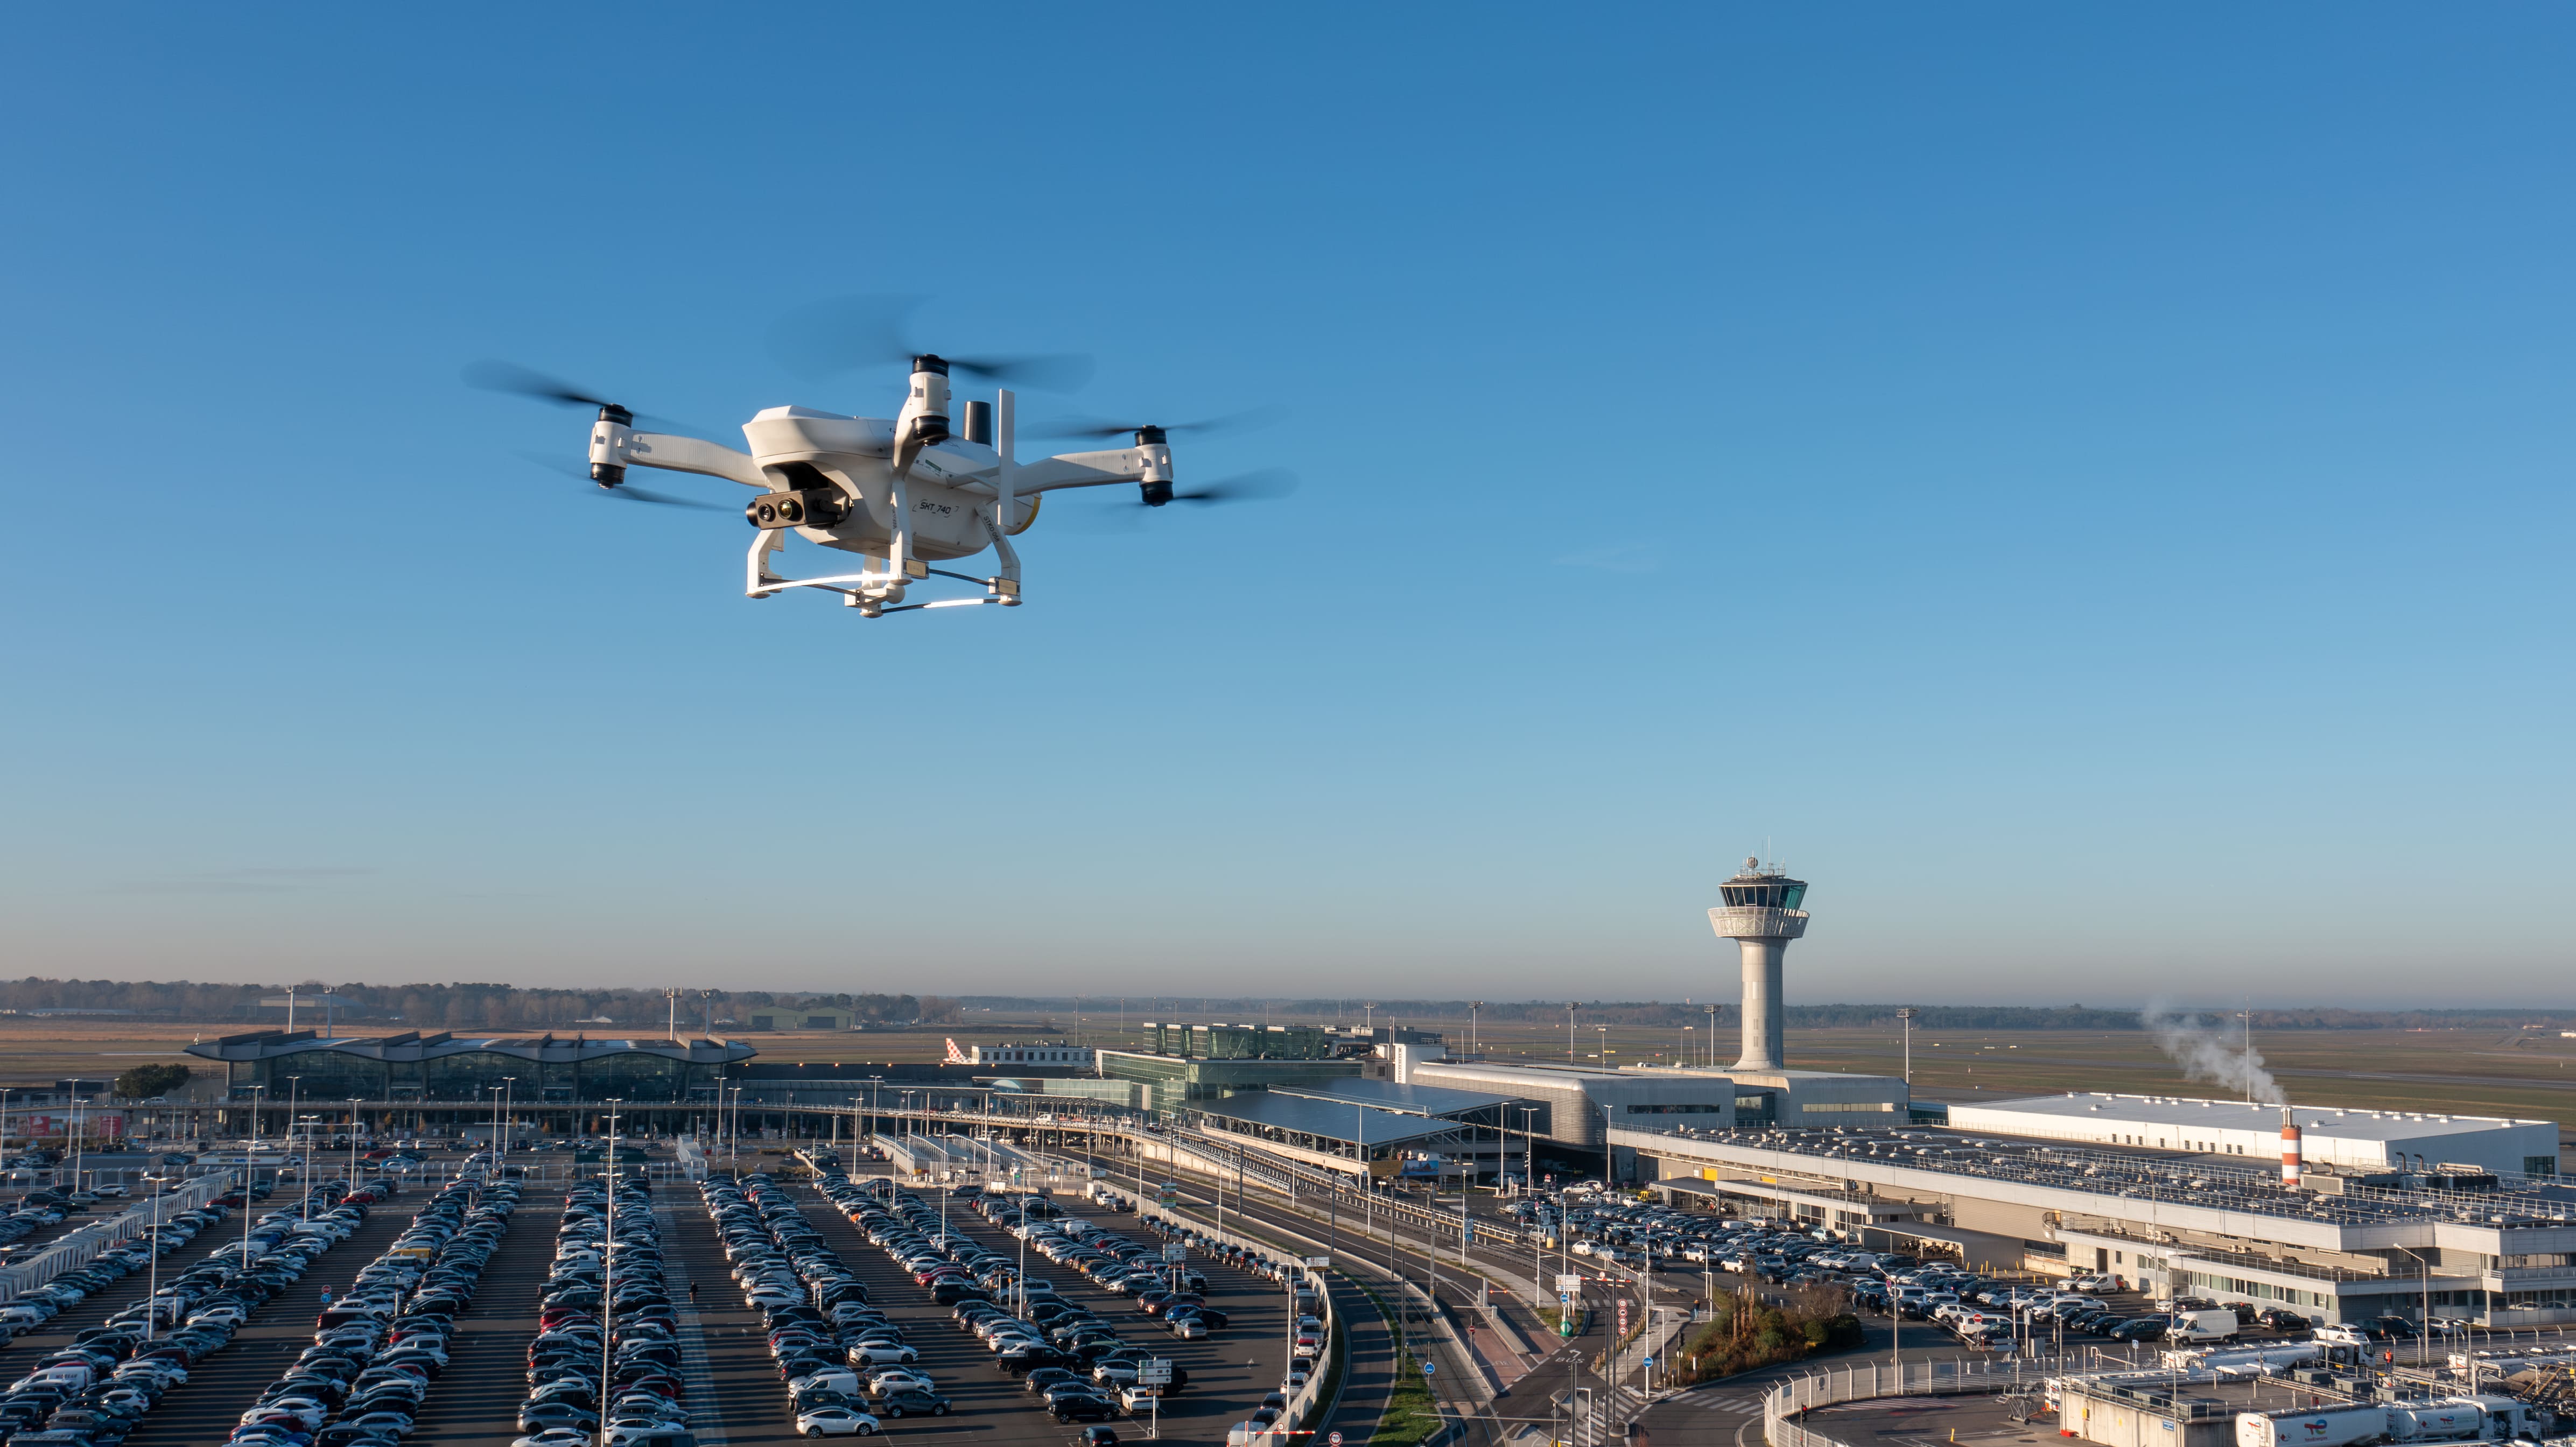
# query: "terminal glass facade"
[[644, 1077]]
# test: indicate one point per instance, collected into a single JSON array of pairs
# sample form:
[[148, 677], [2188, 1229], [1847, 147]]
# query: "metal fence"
[[1857, 1383], [1305, 1399], [80, 1247]]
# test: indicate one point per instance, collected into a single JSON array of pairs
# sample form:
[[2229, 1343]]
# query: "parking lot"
[[1228, 1371], [734, 1394]]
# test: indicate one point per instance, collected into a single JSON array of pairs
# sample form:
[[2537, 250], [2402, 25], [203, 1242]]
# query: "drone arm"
[[629, 448], [1093, 469]]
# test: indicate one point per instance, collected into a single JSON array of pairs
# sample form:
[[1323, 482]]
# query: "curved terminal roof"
[[412, 1045], [1431, 1100]]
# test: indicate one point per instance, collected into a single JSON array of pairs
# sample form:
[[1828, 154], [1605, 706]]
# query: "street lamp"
[[496, 1115], [152, 1291], [250, 1153], [304, 1172], [76, 1132], [608, 1270], [354, 1102]]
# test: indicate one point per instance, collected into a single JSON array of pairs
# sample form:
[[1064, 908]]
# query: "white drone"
[[902, 494]]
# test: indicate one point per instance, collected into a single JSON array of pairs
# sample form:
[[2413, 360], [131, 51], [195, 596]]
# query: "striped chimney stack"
[[2289, 1149]]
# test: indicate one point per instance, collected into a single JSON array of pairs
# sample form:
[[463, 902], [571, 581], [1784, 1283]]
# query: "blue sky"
[[2090, 488]]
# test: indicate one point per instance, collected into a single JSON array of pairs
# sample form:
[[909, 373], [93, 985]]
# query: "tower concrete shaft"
[[1761, 915]]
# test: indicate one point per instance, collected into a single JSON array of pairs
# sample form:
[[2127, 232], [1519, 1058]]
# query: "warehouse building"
[[2357, 1141], [2498, 1249]]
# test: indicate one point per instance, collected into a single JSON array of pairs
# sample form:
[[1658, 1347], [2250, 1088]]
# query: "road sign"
[[1564, 1299], [1319, 1262], [1176, 1252], [1333, 1439], [1650, 1359], [1623, 1316], [1155, 1372], [1570, 1281], [1429, 1367]]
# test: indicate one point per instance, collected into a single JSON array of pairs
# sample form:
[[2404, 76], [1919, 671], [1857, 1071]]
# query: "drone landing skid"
[[876, 594]]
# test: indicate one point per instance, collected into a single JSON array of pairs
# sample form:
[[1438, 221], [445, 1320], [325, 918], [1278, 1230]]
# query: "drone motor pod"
[[1156, 484], [928, 405], [608, 443]]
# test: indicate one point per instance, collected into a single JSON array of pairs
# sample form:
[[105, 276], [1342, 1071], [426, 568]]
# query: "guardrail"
[[1304, 1400], [1856, 1383], [79, 1248]]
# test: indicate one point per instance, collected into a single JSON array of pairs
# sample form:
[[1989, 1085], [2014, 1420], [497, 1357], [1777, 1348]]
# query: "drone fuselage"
[[903, 491], [950, 489]]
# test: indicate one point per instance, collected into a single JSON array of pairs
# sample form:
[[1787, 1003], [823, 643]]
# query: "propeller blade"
[[493, 376], [510, 377], [824, 339], [1100, 427], [580, 471], [1043, 372], [1261, 486], [637, 494]]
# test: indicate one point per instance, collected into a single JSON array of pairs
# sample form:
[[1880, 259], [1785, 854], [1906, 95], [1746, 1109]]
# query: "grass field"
[[2530, 1074]]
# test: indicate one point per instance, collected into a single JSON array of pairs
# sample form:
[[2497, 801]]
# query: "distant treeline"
[[1652, 1012], [449, 1007]]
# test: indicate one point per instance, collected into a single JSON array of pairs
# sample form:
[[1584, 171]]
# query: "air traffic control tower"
[[1761, 915]]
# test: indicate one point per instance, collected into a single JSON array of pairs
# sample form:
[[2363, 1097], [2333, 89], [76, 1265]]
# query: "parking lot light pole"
[[354, 1102], [152, 1290], [250, 1153], [608, 1274]]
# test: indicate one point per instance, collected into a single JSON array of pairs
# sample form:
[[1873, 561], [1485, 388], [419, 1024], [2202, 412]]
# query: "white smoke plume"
[[2209, 1054]]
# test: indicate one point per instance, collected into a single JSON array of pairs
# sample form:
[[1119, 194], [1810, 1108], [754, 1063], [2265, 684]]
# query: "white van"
[[2207, 1325]]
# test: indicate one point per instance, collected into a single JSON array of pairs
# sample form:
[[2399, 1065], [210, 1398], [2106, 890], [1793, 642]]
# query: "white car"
[[554, 1437], [303, 1409], [882, 1353], [835, 1422], [895, 1379], [623, 1430]]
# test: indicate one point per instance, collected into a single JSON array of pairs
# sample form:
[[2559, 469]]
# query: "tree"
[[145, 1081]]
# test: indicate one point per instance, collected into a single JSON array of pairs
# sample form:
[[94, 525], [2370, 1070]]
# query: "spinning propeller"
[[519, 381], [621, 491], [1103, 427], [1261, 486], [826, 338]]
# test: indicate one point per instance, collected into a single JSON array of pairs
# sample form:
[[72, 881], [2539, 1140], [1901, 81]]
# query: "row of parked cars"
[[1073, 1362], [99, 1386], [33, 1309], [833, 1350], [378, 1347], [607, 1330]]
